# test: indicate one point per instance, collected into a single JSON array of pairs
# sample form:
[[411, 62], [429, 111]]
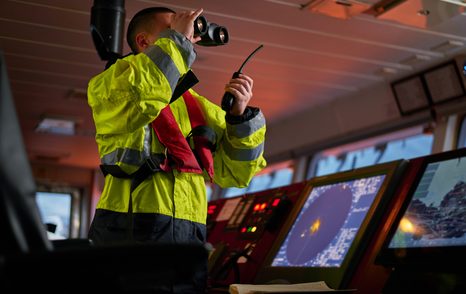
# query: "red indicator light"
[[275, 202], [263, 206], [211, 209], [257, 207], [243, 230]]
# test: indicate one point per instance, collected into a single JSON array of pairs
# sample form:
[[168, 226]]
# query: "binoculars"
[[211, 33]]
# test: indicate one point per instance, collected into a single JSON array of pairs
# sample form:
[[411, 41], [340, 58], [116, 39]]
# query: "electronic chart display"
[[328, 223]]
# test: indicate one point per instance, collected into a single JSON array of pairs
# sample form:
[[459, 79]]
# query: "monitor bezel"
[[424, 258], [335, 277]]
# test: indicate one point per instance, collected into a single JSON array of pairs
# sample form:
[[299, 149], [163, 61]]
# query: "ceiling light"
[[58, 126], [387, 71], [457, 2], [416, 59], [423, 12], [447, 46]]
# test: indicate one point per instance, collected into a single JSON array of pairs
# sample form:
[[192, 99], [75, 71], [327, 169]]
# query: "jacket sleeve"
[[132, 92], [240, 146]]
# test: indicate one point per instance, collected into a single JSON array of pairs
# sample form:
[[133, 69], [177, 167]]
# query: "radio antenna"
[[249, 57], [228, 98]]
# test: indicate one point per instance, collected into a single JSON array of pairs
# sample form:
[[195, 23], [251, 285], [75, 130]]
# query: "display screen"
[[444, 83], [435, 214], [328, 223], [411, 95]]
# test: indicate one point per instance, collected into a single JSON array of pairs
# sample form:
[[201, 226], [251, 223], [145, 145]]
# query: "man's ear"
[[142, 41]]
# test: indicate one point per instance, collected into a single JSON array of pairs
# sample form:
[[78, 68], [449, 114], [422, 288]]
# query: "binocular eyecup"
[[211, 33]]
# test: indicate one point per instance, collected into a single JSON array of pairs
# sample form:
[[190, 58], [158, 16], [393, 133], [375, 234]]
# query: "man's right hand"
[[183, 22]]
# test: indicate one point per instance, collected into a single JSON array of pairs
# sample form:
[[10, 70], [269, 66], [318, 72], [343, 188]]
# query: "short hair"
[[140, 19]]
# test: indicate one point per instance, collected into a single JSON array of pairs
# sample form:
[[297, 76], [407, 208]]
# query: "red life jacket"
[[180, 156]]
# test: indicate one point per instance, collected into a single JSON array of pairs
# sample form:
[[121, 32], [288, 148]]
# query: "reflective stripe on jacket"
[[128, 96]]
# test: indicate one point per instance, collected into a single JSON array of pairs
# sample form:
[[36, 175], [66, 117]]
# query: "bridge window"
[[403, 144], [462, 134], [55, 212], [61, 211], [274, 176]]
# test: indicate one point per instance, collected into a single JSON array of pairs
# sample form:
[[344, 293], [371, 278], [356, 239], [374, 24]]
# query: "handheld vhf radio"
[[228, 98]]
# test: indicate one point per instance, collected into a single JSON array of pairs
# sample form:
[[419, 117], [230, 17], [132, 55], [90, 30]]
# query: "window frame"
[[381, 139]]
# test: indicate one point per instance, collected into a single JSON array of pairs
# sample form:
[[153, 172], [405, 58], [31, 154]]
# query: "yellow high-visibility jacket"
[[127, 97]]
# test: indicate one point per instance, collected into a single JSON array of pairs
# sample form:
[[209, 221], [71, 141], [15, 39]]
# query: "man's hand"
[[241, 88], [183, 22]]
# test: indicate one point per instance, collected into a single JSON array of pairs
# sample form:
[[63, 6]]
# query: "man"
[[130, 105]]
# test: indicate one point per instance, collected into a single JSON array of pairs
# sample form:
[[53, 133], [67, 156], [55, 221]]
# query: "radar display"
[[328, 223]]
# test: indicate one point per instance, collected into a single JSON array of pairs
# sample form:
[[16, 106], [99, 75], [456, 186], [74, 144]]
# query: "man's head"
[[146, 25]]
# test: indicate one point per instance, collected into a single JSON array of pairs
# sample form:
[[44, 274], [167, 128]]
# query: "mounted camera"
[[211, 33]]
